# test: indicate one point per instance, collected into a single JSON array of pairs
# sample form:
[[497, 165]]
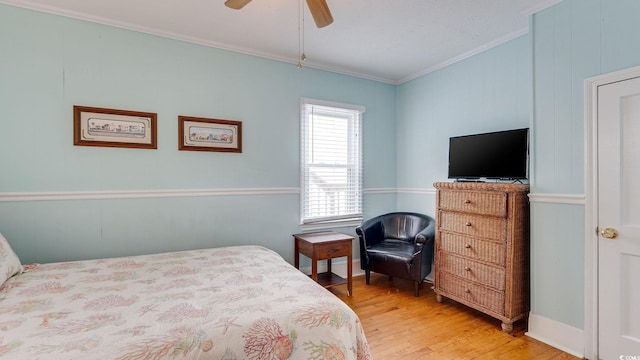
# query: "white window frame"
[[353, 194]]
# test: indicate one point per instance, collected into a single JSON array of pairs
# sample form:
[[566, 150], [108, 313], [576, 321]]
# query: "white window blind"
[[331, 161]]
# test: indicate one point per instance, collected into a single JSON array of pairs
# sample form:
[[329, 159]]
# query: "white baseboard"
[[338, 268], [556, 334]]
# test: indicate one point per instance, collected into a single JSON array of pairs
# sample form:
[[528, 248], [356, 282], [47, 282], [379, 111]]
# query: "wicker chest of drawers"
[[482, 248]]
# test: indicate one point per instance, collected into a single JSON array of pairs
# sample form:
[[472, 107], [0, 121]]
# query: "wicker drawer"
[[486, 203], [471, 292], [475, 225], [490, 251], [473, 271]]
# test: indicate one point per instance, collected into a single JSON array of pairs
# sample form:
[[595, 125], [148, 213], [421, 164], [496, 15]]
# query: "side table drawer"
[[473, 293], [473, 271], [329, 251]]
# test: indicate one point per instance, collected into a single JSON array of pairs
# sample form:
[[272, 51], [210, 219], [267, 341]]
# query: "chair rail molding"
[[136, 194], [574, 199], [431, 191], [399, 191], [164, 193], [379, 191], [571, 199]]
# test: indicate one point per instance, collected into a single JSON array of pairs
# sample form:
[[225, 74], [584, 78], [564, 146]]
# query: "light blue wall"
[[493, 90], [50, 63], [572, 40], [487, 92]]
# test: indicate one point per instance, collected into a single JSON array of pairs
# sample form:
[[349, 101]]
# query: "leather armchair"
[[398, 244]]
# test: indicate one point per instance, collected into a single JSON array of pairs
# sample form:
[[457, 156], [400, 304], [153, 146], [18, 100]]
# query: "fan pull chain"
[[303, 56]]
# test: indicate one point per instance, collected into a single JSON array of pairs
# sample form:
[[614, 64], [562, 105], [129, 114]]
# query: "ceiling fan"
[[319, 10]]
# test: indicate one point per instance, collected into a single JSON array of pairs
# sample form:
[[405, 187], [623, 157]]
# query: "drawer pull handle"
[[467, 291], [467, 201], [468, 246], [331, 251], [466, 268], [468, 223]]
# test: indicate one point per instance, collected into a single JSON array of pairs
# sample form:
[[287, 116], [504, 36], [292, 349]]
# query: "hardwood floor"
[[400, 326]]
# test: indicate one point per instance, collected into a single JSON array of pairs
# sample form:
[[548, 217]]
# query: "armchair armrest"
[[370, 232], [427, 234], [425, 237]]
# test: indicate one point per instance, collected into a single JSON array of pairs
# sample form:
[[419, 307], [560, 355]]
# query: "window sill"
[[327, 225]]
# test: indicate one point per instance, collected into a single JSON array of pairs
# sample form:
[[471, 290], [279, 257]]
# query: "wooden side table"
[[325, 246]]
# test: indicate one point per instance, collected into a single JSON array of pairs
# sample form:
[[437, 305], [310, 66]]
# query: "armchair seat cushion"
[[392, 250]]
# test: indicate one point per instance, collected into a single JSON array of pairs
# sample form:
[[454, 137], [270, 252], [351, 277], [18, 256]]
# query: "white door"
[[619, 219]]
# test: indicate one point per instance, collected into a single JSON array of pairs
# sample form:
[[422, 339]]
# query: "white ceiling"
[[386, 40]]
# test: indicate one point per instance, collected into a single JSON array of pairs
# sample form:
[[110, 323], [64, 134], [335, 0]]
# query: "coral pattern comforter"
[[241, 302]]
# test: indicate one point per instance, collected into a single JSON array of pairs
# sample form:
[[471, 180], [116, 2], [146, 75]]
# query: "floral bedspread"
[[242, 302]]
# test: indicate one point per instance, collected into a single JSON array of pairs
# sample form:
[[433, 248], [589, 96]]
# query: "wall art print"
[[114, 128], [202, 134]]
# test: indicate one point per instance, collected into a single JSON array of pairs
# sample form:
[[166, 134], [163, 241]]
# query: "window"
[[331, 162]]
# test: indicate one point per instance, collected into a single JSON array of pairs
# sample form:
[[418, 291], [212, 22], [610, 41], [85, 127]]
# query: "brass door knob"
[[609, 233]]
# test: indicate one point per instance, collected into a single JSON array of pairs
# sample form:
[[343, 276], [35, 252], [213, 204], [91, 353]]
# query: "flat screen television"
[[494, 155]]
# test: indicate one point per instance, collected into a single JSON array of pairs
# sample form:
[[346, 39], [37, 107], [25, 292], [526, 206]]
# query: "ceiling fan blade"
[[236, 4], [320, 11]]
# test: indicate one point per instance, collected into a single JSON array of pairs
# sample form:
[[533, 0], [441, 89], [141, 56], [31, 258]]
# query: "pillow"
[[9, 262]]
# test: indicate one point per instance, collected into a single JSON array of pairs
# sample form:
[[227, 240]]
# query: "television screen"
[[495, 155]]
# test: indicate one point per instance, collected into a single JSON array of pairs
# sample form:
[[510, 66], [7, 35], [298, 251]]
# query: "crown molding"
[[223, 46], [540, 6], [180, 37], [468, 54]]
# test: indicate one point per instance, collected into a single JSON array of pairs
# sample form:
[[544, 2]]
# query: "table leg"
[[314, 269], [329, 267], [349, 275], [296, 254]]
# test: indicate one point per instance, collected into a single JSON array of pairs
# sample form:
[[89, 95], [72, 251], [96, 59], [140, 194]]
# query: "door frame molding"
[[591, 202]]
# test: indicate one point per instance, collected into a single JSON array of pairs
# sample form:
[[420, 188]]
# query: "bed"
[[241, 302]]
